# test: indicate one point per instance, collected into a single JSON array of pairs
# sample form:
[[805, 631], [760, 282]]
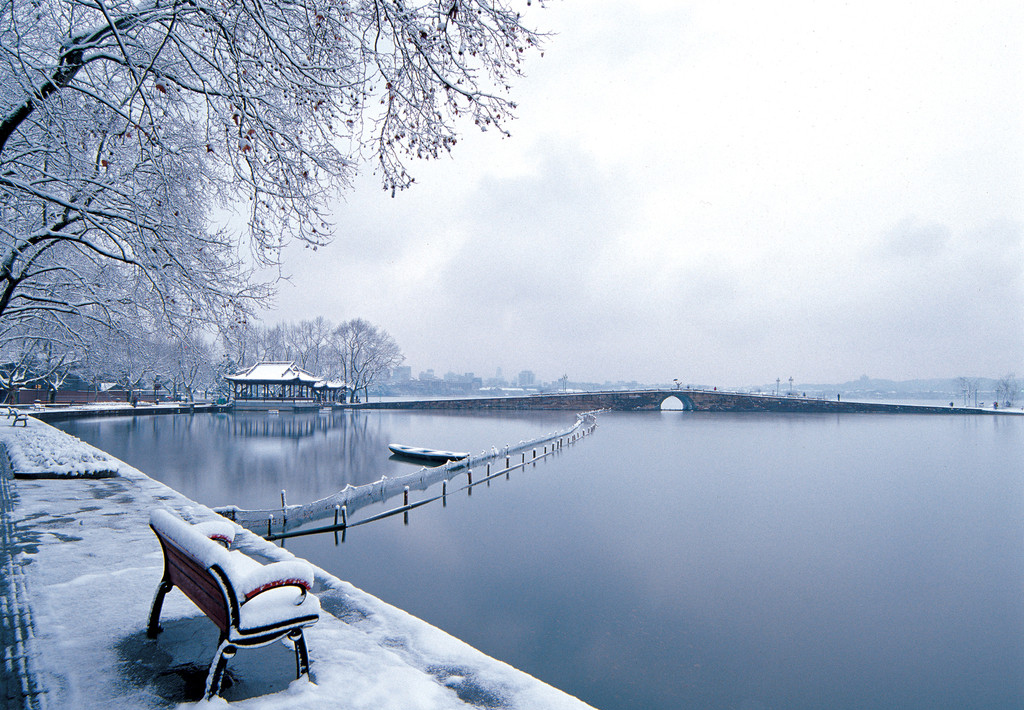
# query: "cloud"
[[723, 193]]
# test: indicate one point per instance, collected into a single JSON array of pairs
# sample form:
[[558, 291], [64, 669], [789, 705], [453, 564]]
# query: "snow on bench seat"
[[253, 604]]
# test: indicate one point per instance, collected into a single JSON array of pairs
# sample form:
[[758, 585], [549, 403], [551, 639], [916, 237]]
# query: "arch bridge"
[[652, 399]]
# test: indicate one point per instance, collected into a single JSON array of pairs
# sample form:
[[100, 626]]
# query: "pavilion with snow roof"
[[271, 385]]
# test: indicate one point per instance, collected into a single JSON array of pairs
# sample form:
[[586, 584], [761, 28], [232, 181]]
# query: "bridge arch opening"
[[673, 403]]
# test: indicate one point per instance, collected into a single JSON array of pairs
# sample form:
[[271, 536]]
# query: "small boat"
[[419, 454]]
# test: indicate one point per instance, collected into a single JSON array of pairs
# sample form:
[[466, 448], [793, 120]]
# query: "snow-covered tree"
[[128, 356], [969, 389], [188, 364], [39, 352], [1007, 390], [238, 343], [247, 343], [308, 340], [362, 354], [124, 123]]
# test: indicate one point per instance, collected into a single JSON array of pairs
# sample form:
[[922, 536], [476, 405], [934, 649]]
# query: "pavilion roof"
[[332, 384], [274, 373]]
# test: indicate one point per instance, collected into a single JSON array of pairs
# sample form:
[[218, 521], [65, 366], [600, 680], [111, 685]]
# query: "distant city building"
[[428, 384], [497, 381], [401, 374], [527, 378], [465, 382]]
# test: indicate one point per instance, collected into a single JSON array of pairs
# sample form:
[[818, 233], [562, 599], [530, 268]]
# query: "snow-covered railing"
[[276, 522]]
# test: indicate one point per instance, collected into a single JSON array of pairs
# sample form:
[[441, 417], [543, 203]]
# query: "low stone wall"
[[694, 400], [61, 414]]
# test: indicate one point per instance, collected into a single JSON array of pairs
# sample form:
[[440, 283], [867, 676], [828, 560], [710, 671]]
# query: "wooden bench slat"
[[198, 584]]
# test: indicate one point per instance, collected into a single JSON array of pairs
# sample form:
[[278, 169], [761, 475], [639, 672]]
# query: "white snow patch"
[[39, 449]]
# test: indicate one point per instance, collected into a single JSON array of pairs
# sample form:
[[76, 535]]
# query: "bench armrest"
[[289, 573], [217, 530]]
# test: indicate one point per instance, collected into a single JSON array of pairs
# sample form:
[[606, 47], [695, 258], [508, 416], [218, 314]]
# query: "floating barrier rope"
[[282, 522]]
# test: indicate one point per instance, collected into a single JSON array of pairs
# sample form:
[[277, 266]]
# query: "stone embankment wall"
[[696, 400], [58, 414]]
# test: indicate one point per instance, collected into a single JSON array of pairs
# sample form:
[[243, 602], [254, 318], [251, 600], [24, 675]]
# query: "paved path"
[[20, 684]]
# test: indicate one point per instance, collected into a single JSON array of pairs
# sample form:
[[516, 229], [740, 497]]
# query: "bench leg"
[[220, 663], [301, 657], [158, 602]]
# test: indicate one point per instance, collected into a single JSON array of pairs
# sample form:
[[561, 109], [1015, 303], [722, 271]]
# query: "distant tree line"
[[183, 364], [128, 357], [1006, 390]]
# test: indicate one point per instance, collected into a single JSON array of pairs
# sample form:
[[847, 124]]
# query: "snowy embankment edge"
[[373, 654], [38, 450]]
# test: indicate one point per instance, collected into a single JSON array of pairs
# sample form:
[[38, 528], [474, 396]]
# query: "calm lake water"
[[672, 559]]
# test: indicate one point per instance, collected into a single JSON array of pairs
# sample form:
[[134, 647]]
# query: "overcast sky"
[[723, 193]]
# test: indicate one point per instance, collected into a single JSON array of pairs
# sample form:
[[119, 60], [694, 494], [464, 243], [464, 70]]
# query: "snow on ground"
[[38, 449], [92, 567]]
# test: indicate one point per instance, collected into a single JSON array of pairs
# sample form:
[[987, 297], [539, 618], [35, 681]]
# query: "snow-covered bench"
[[19, 418], [253, 604]]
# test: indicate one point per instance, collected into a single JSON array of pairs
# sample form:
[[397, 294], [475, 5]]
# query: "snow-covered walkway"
[[90, 566]]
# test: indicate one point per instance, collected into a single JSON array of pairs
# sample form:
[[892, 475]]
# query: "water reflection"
[[723, 561], [246, 458]]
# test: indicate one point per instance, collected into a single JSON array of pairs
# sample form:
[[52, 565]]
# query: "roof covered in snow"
[[274, 373], [332, 384]]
